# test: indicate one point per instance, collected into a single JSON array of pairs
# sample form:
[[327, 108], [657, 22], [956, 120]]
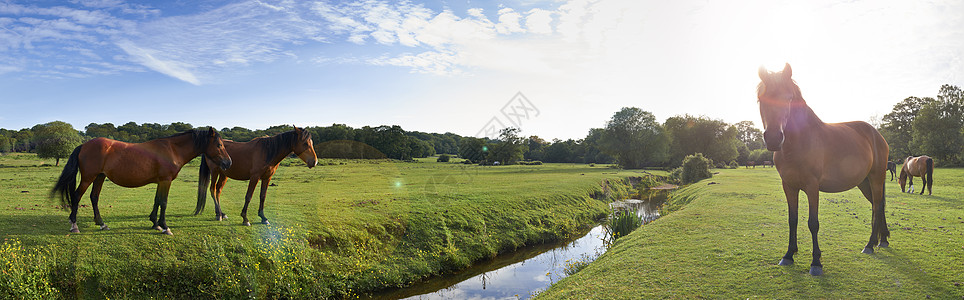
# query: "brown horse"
[[921, 166], [255, 160], [134, 165], [815, 157], [892, 168]]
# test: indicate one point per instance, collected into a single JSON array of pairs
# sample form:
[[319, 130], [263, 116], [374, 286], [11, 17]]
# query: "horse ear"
[[787, 72], [763, 72], [212, 131]]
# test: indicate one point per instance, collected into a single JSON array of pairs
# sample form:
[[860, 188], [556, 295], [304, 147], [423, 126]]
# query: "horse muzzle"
[[773, 140], [225, 164]]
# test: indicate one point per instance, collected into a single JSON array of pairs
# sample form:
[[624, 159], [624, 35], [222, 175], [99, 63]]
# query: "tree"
[[592, 145], [510, 147], [714, 138], [559, 151], [635, 139], [897, 126], [473, 149], [536, 148], [937, 130], [751, 136], [56, 140]]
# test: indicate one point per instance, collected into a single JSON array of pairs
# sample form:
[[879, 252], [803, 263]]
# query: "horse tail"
[[930, 173], [204, 178], [66, 185]]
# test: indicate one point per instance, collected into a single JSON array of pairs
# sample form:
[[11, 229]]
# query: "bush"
[[444, 158], [733, 164], [531, 163], [695, 168]]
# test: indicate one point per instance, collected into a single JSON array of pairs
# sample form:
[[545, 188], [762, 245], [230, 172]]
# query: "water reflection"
[[524, 272]]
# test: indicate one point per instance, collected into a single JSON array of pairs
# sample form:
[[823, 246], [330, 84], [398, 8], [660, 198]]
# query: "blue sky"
[[455, 66]]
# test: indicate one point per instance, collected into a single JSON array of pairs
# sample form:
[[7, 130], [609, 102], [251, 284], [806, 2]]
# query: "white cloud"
[[509, 21], [539, 21], [148, 58]]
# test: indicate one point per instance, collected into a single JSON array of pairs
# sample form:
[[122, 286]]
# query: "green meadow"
[[340, 230], [724, 240], [350, 227]]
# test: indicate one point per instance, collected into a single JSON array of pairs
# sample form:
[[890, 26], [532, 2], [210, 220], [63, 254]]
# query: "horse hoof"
[[786, 262], [74, 230], [868, 250], [168, 232], [816, 270], [265, 222], [104, 227], [158, 228], [883, 244], [246, 223]]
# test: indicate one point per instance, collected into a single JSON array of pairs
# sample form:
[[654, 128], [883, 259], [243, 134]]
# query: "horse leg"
[[95, 197], [264, 194], [878, 232], [153, 216], [163, 188], [923, 184], [910, 182], [217, 185], [253, 183], [75, 203], [813, 203], [792, 196]]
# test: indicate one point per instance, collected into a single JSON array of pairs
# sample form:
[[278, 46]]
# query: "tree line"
[[632, 138], [57, 139]]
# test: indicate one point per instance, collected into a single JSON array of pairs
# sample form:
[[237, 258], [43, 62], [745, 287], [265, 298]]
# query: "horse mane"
[[283, 141], [199, 138]]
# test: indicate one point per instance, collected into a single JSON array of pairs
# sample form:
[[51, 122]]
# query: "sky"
[[551, 68]]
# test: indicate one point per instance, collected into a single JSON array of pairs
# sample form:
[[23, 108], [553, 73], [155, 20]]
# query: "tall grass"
[[621, 223]]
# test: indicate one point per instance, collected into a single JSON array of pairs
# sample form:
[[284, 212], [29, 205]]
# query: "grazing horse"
[[749, 164], [134, 165], [813, 157], [255, 160], [921, 166], [892, 167]]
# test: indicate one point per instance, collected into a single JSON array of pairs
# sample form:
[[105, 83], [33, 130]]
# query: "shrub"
[[444, 158], [695, 168], [531, 163], [733, 164]]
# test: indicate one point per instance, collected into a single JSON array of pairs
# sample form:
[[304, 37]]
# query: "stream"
[[526, 271]]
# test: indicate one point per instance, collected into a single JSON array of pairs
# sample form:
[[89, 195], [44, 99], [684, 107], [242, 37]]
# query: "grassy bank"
[[726, 242], [341, 229]]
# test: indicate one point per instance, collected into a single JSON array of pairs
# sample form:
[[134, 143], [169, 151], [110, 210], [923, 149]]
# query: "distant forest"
[[632, 138]]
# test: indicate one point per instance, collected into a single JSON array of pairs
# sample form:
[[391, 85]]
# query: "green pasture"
[[339, 230], [724, 241]]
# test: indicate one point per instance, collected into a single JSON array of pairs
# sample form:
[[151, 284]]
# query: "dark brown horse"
[[813, 157], [255, 160], [892, 168], [134, 165], [921, 166]]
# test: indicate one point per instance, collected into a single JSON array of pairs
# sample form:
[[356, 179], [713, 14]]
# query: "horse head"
[[304, 147], [776, 94], [215, 149]]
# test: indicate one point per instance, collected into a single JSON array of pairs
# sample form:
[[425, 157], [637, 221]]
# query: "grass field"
[[338, 230], [726, 240]]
